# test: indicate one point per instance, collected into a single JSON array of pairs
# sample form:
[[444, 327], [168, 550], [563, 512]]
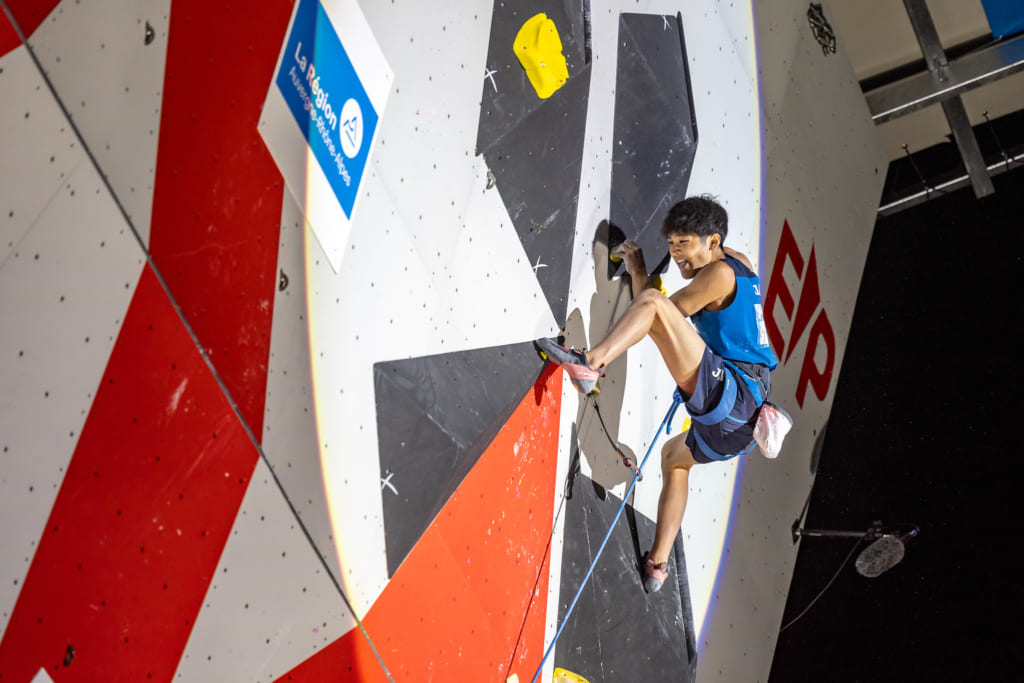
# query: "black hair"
[[702, 216]]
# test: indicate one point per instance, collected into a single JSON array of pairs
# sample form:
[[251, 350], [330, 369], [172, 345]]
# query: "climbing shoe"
[[654, 574], [574, 362]]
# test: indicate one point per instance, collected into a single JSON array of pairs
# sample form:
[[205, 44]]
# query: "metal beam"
[[967, 73], [956, 115], [960, 182], [927, 36]]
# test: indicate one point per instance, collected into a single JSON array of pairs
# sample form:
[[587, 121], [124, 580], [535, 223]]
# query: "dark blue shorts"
[[724, 407]]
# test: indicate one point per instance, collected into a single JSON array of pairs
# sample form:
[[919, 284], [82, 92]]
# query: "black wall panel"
[[435, 417]]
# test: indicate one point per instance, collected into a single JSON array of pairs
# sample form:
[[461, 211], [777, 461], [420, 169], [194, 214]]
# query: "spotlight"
[[885, 551]]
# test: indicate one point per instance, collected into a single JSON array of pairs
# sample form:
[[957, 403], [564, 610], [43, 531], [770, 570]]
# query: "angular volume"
[[534, 146], [435, 416], [470, 600], [617, 631], [655, 128]]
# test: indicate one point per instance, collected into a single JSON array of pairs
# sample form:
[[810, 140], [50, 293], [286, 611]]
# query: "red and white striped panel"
[[69, 266], [128, 471], [106, 61]]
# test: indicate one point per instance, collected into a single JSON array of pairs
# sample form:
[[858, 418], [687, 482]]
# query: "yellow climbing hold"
[[539, 50], [563, 676], [657, 284]]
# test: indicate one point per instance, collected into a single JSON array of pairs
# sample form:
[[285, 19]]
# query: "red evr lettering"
[[777, 289], [810, 298], [821, 331]]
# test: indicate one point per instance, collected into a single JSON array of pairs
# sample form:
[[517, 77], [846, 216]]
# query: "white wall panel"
[[39, 148], [375, 308], [289, 426], [111, 82], [824, 169], [433, 264], [425, 157], [68, 270], [722, 67], [271, 604]]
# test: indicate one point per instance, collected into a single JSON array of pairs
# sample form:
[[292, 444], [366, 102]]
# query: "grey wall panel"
[[534, 146], [537, 166], [617, 632], [655, 138], [435, 416], [508, 98]]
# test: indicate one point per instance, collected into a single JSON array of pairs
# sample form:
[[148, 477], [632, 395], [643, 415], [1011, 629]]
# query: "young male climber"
[[721, 363]]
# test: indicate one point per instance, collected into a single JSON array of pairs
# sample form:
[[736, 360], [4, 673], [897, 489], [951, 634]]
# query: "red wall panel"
[[141, 517], [469, 602], [8, 36], [29, 14], [218, 194]]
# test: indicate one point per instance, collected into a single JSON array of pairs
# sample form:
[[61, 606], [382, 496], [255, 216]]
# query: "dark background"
[[924, 429]]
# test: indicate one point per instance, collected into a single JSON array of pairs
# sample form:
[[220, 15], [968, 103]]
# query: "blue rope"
[[667, 424]]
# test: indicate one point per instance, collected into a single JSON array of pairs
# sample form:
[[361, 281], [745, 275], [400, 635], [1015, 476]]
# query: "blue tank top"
[[737, 332]]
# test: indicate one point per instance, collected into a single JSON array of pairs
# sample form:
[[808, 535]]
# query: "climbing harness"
[[667, 424]]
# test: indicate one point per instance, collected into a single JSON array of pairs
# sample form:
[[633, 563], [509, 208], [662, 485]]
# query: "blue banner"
[[328, 101], [1005, 17]]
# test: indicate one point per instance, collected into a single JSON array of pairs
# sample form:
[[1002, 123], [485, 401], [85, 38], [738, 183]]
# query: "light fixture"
[[886, 547], [884, 551]]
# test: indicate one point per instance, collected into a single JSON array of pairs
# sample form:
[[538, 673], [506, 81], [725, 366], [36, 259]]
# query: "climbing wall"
[[271, 410], [823, 170]]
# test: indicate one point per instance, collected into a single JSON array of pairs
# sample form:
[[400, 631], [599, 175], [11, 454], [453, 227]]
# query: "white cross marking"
[[387, 482], [490, 74]]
